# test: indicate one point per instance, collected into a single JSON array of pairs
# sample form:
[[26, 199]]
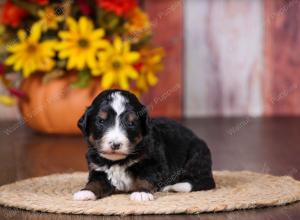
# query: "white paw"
[[166, 189], [141, 196], [84, 195], [178, 187]]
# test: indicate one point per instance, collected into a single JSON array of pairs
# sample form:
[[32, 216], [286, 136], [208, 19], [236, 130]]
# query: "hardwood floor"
[[268, 145]]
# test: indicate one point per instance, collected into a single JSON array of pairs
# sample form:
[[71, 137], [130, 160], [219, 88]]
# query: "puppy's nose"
[[115, 146]]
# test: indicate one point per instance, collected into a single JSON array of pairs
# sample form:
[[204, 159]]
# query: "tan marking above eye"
[[132, 117], [91, 139], [103, 115]]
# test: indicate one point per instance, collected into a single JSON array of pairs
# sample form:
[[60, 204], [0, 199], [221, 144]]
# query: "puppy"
[[129, 152]]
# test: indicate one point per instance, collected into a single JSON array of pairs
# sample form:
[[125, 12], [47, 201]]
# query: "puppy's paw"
[[141, 196], [178, 187], [84, 195], [166, 189]]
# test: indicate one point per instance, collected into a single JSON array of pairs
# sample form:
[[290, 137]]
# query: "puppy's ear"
[[83, 121], [145, 121]]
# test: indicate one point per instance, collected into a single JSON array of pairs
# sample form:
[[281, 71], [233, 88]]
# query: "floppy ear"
[[83, 121], [145, 121]]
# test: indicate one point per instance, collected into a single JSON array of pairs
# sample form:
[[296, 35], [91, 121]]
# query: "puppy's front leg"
[[97, 187], [142, 190]]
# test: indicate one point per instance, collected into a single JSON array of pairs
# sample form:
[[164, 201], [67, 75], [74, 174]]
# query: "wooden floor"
[[263, 145]]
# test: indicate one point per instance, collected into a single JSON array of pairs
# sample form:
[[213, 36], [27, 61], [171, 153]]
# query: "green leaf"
[[2, 29], [141, 43], [83, 80], [31, 8], [109, 21]]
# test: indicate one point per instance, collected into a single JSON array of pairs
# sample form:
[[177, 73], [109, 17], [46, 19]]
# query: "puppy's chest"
[[118, 176]]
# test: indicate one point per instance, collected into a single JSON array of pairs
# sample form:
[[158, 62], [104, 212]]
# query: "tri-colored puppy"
[[130, 152]]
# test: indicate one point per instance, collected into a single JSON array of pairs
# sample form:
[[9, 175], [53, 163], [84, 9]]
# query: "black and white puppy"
[[129, 152]]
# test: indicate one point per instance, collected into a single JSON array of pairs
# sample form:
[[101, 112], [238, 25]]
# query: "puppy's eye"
[[130, 123], [102, 117], [101, 120], [131, 119]]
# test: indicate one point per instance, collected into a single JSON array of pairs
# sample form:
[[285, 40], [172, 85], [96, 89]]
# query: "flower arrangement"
[[108, 39]]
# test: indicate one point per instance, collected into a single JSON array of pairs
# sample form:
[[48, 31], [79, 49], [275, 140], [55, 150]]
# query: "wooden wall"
[[223, 57], [167, 22], [242, 57], [282, 54]]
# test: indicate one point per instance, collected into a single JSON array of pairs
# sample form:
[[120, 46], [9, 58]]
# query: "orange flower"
[[119, 7], [138, 24]]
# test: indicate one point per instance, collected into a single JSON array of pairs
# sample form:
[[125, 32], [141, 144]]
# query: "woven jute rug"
[[235, 190]]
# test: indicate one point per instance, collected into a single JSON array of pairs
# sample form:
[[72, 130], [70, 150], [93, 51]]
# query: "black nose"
[[115, 146]]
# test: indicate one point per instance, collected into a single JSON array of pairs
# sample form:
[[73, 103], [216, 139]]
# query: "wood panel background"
[[282, 54], [166, 16], [223, 57]]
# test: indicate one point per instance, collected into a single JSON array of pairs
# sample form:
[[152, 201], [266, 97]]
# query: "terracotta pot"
[[54, 107]]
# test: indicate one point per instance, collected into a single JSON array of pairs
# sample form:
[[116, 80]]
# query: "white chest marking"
[[117, 175]]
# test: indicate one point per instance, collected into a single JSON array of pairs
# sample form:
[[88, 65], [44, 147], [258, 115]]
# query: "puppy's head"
[[114, 124]]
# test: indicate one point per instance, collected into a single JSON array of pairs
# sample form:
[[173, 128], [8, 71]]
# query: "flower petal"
[[123, 82], [35, 32], [118, 44], [132, 57], [21, 35], [85, 25], [72, 24], [98, 33], [108, 80], [152, 79]]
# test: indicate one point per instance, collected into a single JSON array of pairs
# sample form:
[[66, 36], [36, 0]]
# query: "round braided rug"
[[235, 190]]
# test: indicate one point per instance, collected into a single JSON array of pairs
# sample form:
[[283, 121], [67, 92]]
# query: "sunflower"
[[30, 55], [81, 43], [49, 19], [116, 64], [151, 64]]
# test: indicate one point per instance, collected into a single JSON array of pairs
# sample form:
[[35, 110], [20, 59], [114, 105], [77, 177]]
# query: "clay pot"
[[54, 107]]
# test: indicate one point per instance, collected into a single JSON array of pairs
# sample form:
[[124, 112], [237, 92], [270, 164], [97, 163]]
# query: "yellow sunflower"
[[49, 19], [30, 55], [80, 43], [116, 64], [151, 64]]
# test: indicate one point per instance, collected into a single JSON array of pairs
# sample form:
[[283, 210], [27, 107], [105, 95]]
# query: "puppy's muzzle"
[[115, 145]]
